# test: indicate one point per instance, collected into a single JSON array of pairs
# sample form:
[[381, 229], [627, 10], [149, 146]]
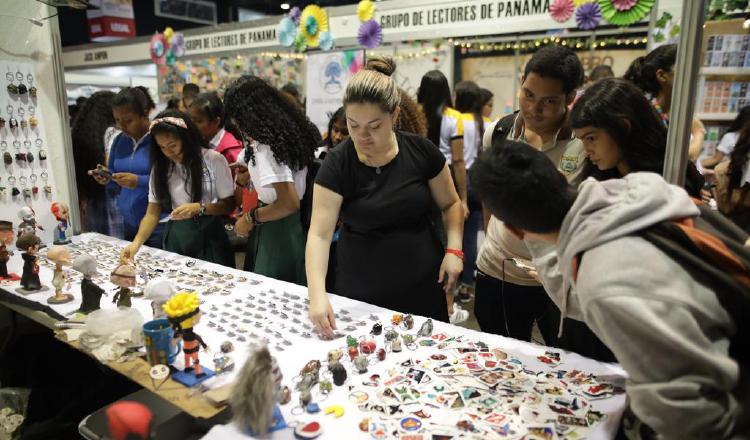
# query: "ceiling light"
[[285, 6]]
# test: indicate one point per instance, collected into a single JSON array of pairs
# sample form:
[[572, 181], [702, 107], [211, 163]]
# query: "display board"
[[327, 75], [414, 60]]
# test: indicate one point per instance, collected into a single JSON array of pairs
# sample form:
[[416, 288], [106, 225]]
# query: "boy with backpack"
[[660, 281]]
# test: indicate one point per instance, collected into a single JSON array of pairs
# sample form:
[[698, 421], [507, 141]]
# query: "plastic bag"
[[106, 322], [13, 403]]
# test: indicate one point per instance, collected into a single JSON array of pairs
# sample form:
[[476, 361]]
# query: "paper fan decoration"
[[295, 14], [370, 34], [312, 22], [365, 10], [561, 10], [168, 33], [588, 16], [325, 41], [300, 43], [286, 31], [579, 3], [625, 12], [158, 48], [178, 44]]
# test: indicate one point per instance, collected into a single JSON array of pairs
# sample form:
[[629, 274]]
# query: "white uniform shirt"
[[217, 181], [266, 171]]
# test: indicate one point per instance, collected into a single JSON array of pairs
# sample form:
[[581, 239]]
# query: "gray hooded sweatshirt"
[[668, 332]]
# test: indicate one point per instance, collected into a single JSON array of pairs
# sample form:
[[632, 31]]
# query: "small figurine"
[[28, 223], [339, 374], [396, 346], [159, 290], [61, 257], [377, 329], [334, 356], [426, 329], [361, 363], [123, 277], [256, 393], [408, 322], [91, 294], [61, 213], [6, 239], [183, 313], [29, 245]]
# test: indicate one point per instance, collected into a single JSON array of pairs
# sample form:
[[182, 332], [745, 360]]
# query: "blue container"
[[158, 338]]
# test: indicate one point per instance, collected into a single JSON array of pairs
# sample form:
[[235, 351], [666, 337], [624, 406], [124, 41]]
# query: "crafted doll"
[[124, 278], [256, 393], [90, 292], [61, 213], [28, 223], [28, 244], [6, 239], [159, 290], [183, 313], [61, 257]]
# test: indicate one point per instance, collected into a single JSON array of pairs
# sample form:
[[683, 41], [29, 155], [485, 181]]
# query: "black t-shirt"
[[399, 195]]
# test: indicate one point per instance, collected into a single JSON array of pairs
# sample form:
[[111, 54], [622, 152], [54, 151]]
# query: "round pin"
[[410, 424]]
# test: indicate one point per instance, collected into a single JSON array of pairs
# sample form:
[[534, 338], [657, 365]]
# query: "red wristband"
[[456, 252]]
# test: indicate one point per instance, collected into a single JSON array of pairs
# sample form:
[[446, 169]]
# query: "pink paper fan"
[[624, 5], [561, 10]]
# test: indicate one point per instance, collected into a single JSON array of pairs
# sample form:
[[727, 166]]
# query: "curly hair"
[[192, 158], [88, 130], [260, 111], [411, 118]]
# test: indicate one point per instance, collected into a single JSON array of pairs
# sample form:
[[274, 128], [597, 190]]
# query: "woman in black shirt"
[[382, 184]]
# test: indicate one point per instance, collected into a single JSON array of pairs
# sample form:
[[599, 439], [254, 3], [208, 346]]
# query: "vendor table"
[[248, 309]]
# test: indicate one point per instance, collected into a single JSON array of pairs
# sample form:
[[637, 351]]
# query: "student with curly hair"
[[194, 185], [280, 146], [382, 184], [89, 126], [411, 118]]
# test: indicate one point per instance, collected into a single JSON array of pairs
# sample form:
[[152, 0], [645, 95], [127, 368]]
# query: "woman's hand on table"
[[321, 314], [450, 270], [128, 253]]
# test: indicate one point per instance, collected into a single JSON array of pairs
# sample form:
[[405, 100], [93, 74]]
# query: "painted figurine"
[[124, 278], [257, 391], [61, 212], [60, 255], [91, 294], [28, 244], [183, 313], [6, 239], [159, 290], [28, 223]]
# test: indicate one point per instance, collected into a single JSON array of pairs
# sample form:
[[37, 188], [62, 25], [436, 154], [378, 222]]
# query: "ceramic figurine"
[[339, 373], [256, 392], [91, 294], [377, 329], [159, 290], [183, 313], [28, 223], [334, 356], [123, 277], [28, 244], [6, 239], [61, 213], [396, 346], [426, 329], [60, 255], [408, 322], [360, 363]]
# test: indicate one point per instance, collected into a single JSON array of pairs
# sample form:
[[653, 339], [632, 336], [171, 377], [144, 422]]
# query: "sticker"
[[438, 357], [470, 393], [358, 397], [394, 380], [439, 337], [422, 414], [467, 425], [541, 433], [403, 394], [378, 430], [410, 424], [572, 421], [497, 419]]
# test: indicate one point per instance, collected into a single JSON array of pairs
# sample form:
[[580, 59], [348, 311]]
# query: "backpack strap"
[[504, 127]]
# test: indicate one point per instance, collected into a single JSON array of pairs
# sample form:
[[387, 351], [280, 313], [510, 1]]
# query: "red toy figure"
[[61, 213]]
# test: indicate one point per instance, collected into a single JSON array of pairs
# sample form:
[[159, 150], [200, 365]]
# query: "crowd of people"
[[583, 238]]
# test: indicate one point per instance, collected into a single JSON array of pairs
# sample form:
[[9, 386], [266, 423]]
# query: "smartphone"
[[523, 264], [102, 172]]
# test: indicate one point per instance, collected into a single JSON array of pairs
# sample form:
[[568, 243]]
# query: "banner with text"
[[114, 20], [327, 75]]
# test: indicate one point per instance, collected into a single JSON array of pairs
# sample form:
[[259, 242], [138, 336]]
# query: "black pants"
[[511, 310]]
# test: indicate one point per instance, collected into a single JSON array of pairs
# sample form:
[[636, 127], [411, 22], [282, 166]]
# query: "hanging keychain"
[[12, 88], [34, 188], [12, 122], [21, 112], [33, 121], [12, 183], [22, 89], [47, 187]]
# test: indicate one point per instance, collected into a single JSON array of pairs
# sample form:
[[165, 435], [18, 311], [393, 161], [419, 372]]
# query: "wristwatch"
[[202, 211]]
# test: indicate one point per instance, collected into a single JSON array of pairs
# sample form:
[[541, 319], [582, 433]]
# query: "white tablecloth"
[[294, 357]]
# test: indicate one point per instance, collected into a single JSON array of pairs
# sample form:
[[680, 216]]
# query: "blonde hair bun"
[[381, 63]]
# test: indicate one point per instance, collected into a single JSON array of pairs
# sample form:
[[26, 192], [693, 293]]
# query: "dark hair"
[[89, 126], [192, 158], [600, 72], [743, 117], [468, 98], [557, 62], [190, 90], [434, 94], [521, 186], [411, 118], [642, 71], [338, 116], [25, 241], [618, 107], [134, 99], [738, 158], [259, 110], [210, 105], [485, 96], [150, 104], [173, 103], [292, 90]]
